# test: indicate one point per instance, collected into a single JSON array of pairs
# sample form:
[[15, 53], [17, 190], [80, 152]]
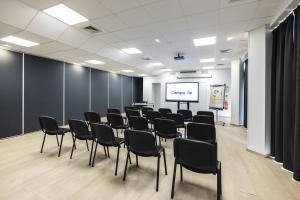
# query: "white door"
[[156, 96]]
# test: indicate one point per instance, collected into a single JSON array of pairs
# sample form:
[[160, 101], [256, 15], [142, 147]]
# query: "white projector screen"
[[182, 91]]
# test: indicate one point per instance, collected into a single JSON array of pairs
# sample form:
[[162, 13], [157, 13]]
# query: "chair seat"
[[205, 170], [168, 136], [155, 153], [118, 141], [180, 125], [60, 131], [120, 127], [85, 137]]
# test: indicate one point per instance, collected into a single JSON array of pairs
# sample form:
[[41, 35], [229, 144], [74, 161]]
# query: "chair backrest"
[[103, 133], [187, 114], [209, 113], [164, 111], [151, 115], [165, 127], [113, 110], [132, 113], [145, 110], [201, 132], [92, 117], [139, 123], [78, 127], [48, 124], [114, 119], [204, 119], [129, 108], [178, 118], [140, 142], [197, 156]]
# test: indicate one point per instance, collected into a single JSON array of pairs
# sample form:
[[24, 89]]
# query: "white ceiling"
[[136, 23]]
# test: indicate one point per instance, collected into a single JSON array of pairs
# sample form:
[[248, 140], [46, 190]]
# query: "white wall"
[[257, 134], [235, 92], [219, 76]]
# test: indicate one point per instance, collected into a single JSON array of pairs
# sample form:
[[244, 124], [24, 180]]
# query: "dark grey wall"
[[99, 88], [137, 89], [127, 90], [10, 93], [115, 98], [43, 90], [76, 91]]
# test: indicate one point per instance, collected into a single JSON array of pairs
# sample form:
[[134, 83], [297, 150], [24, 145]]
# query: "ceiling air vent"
[[91, 29], [237, 1], [146, 58], [220, 64], [188, 71], [225, 50]]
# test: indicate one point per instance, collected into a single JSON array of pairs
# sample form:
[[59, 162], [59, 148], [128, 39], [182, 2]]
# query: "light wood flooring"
[[28, 175]]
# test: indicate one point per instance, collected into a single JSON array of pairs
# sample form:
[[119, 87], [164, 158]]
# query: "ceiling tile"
[[165, 9], [119, 5], [110, 23], [255, 23], [108, 38], [6, 29], [41, 5], [32, 37], [92, 45], [135, 17], [203, 20], [144, 2], [73, 37], [90, 9], [41, 23], [197, 6], [16, 13]]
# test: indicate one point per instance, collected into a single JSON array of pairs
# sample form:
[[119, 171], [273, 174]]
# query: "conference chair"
[[165, 128], [129, 108], [104, 136], [209, 113], [145, 110], [179, 120], [113, 110], [201, 132], [116, 122], [164, 111], [81, 131], [142, 143], [92, 117], [204, 161], [151, 115], [139, 123], [204, 119], [49, 127], [132, 113], [187, 115]]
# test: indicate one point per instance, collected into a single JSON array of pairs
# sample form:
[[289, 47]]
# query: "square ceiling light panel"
[[19, 41], [132, 51], [204, 41], [65, 14]]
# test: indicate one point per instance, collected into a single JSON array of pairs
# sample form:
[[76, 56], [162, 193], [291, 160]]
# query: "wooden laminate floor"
[[27, 174]]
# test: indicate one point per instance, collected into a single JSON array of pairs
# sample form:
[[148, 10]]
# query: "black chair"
[[201, 132], [92, 117], [204, 161], [145, 110], [204, 119], [165, 128], [113, 110], [116, 122], [49, 127], [151, 115], [139, 123], [81, 131], [187, 115], [164, 112], [105, 136], [179, 120], [132, 113], [129, 108], [142, 143], [209, 113]]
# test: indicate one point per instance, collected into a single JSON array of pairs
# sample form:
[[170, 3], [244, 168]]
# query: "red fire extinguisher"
[[225, 105]]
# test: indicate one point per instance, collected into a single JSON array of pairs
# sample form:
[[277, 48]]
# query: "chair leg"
[[57, 140], [125, 170], [173, 181], [87, 145], [117, 132], [116, 170], [61, 141], [96, 145], [91, 153], [105, 151], [164, 154], [129, 158], [159, 138], [137, 160], [181, 174], [73, 148], [73, 138], [43, 143], [219, 183], [108, 152], [157, 173]]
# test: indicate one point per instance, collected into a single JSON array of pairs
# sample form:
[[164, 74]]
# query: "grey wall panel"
[[115, 98], [76, 91], [10, 93], [43, 90], [137, 89], [127, 90], [99, 96]]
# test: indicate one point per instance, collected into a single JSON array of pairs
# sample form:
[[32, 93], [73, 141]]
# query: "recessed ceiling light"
[[95, 62], [205, 41], [157, 64], [230, 38], [19, 41], [225, 59], [127, 71], [132, 51], [157, 40], [65, 14], [207, 60], [166, 70], [142, 75], [208, 67]]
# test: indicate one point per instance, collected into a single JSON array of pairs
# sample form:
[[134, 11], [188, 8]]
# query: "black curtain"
[[285, 105]]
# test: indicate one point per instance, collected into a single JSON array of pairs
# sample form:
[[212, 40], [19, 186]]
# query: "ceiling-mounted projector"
[[179, 57]]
